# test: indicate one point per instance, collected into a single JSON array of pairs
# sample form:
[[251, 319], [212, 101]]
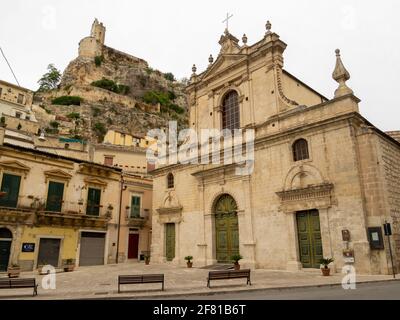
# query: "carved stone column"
[[210, 238], [202, 244], [326, 235], [246, 232], [293, 263]]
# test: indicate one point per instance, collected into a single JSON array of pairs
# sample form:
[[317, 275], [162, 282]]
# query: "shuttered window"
[[10, 190], [93, 203], [135, 207], [108, 161], [55, 196]]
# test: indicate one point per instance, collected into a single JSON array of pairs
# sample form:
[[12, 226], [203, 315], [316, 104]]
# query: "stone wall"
[[390, 157], [25, 125]]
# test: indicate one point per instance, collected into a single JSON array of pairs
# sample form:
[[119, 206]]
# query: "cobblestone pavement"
[[100, 282]]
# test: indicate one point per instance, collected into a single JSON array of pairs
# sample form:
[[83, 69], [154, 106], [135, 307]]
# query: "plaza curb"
[[211, 293]]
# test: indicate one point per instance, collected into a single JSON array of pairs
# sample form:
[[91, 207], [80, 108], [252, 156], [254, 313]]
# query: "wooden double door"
[[5, 248], [310, 240], [170, 241], [226, 229]]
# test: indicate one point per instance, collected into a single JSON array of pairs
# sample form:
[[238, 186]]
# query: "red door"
[[133, 246]]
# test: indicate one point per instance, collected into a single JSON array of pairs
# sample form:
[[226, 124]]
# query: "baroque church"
[[324, 182]]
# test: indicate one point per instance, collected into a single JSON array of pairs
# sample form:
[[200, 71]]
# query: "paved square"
[[102, 282]]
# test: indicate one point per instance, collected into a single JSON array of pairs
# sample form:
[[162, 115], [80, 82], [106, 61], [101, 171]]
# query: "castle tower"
[[92, 46], [98, 31]]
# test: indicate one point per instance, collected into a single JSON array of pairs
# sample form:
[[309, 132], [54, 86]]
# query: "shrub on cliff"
[[100, 130], [98, 60], [111, 85], [67, 100], [164, 99]]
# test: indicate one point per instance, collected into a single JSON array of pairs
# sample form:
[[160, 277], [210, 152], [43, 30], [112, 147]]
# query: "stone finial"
[[210, 59], [268, 26], [194, 69], [244, 39], [341, 75]]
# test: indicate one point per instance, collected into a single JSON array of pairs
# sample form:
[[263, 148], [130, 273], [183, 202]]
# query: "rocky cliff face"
[[101, 108]]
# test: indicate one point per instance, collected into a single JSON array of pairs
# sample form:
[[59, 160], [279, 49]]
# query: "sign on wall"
[[28, 247]]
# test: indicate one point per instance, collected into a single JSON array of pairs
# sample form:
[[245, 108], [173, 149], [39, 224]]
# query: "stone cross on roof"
[[227, 20]]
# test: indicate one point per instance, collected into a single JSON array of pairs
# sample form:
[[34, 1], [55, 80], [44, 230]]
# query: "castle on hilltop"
[[92, 46]]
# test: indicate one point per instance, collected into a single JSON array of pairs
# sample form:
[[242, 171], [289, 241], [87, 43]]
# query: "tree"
[[169, 76], [50, 79]]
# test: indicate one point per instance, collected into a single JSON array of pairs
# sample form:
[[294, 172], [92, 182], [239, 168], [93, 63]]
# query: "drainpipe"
[[120, 214]]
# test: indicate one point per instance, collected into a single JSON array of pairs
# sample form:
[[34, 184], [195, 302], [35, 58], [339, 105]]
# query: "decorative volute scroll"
[[341, 75], [278, 75]]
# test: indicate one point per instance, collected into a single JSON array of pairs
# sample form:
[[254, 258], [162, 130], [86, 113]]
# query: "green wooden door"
[[5, 247], [309, 235], [55, 196], [93, 203], [10, 185], [170, 241], [226, 229]]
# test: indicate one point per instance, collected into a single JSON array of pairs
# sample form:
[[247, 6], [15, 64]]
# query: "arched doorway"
[[226, 228], [5, 248]]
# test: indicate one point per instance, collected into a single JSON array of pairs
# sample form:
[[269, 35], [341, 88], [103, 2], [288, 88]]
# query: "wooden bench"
[[145, 278], [228, 274], [19, 284]]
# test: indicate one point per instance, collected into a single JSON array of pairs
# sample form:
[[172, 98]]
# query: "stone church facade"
[[324, 181]]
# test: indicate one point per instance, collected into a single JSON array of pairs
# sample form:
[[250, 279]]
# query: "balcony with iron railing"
[[32, 210], [137, 217], [75, 214]]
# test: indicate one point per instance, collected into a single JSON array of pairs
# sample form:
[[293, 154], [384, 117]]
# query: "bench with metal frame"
[[145, 278], [19, 284], [228, 274]]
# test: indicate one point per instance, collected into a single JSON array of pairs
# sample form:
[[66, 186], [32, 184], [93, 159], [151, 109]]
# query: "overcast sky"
[[172, 35]]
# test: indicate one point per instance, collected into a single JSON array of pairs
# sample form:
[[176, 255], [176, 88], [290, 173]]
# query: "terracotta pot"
[[147, 261], [236, 265], [189, 264], [326, 271], [69, 268]]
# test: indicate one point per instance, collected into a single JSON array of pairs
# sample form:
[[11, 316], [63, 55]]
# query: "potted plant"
[[69, 265], [189, 261], [14, 270], [325, 262], [147, 258], [236, 258]]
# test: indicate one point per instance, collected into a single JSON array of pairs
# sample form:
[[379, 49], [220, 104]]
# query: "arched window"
[[300, 150], [230, 111], [170, 181]]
